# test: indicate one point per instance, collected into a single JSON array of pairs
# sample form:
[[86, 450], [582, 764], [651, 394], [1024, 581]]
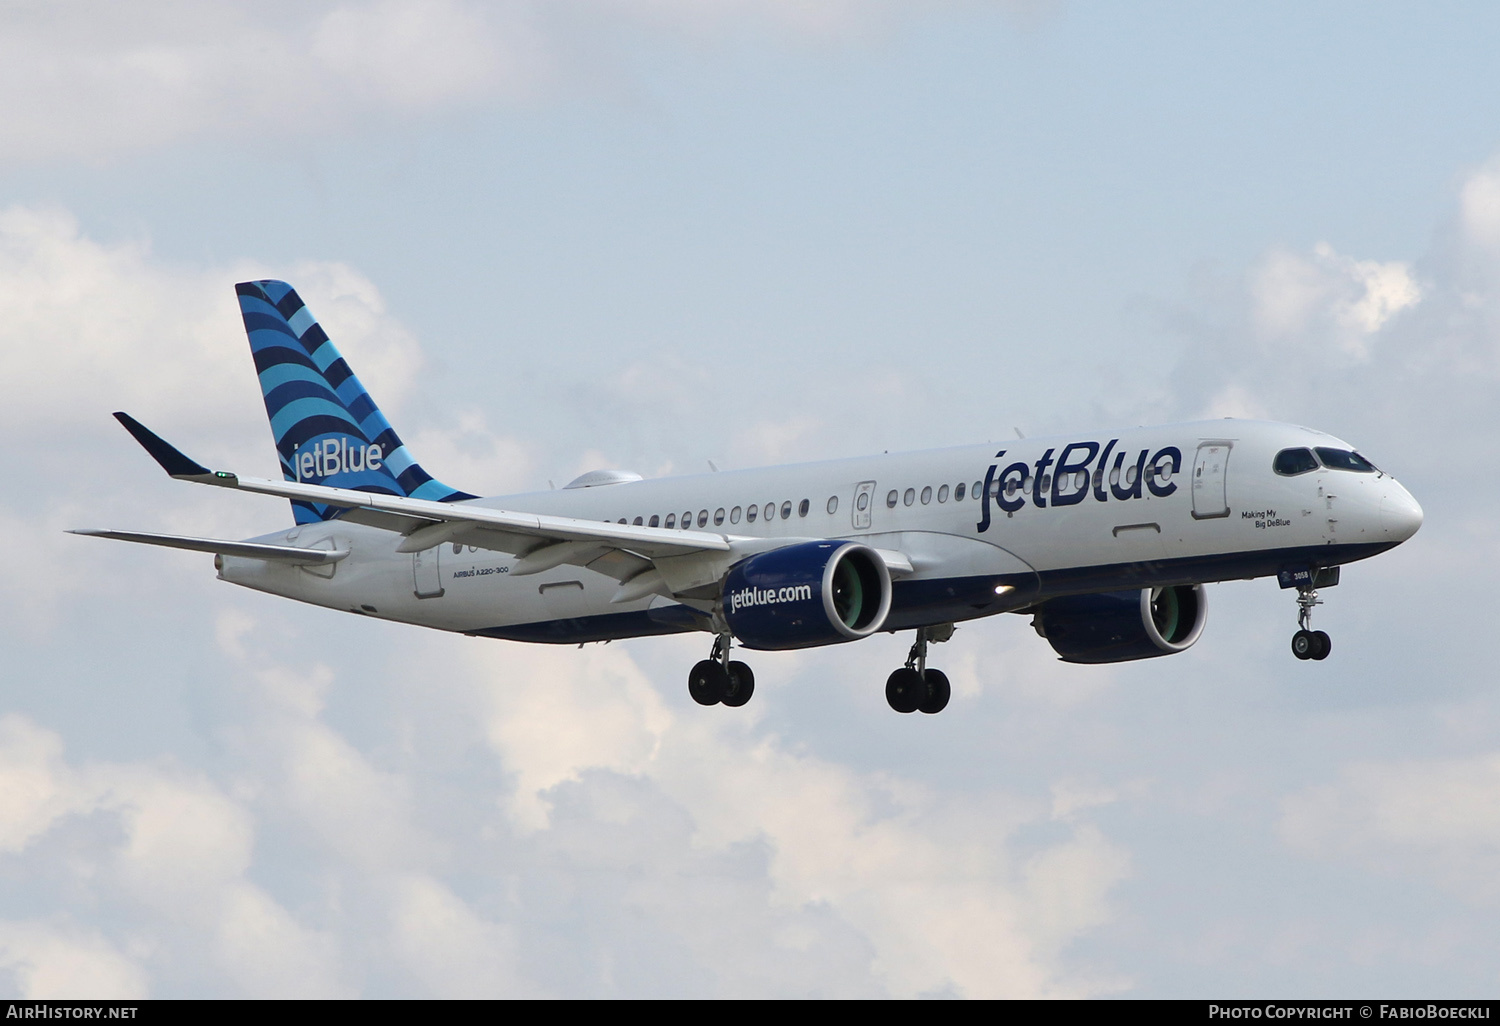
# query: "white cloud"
[[1479, 205], [925, 880], [556, 717], [1441, 816], [451, 949], [51, 961], [34, 785], [176, 857], [81, 80], [1327, 296], [93, 327], [813, 19]]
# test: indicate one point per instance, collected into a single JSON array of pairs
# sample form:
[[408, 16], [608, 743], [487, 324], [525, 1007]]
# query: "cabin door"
[[1210, 490]]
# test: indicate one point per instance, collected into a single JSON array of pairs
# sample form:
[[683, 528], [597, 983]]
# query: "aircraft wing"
[[645, 560], [426, 523], [254, 550]]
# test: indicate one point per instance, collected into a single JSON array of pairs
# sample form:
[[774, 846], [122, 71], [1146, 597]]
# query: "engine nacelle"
[[801, 596], [1119, 625]]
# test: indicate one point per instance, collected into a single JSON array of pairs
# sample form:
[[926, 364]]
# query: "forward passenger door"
[[1210, 488]]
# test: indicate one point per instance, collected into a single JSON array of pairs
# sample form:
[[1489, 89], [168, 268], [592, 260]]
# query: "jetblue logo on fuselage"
[[1075, 475], [341, 455]]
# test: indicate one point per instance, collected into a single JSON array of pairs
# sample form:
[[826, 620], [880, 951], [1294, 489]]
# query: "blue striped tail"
[[328, 430]]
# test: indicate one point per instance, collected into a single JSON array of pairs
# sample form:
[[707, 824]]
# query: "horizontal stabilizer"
[[249, 550], [162, 451]]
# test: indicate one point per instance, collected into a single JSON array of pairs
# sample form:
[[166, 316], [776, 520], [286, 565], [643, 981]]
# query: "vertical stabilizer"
[[328, 430]]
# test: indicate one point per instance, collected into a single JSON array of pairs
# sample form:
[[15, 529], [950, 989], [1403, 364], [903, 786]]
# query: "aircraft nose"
[[1399, 513]]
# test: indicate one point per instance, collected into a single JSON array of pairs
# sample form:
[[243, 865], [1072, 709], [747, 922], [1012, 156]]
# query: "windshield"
[[1343, 459], [1291, 462]]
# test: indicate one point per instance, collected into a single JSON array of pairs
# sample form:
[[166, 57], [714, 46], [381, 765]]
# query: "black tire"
[[739, 686], [708, 682], [905, 689], [1325, 645], [938, 692], [1304, 644]]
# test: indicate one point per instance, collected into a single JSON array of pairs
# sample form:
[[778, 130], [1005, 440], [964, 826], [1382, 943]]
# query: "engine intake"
[[802, 596], [1117, 626]]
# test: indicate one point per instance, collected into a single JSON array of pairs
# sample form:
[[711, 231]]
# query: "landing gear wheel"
[[1304, 644], [739, 685], [708, 683], [1324, 645], [938, 692], [905, 689]]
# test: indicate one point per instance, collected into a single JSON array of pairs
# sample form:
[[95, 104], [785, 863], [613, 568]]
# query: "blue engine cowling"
[[800, 596], [1120, 625]]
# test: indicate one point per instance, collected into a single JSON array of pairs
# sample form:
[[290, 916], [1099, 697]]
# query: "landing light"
[[1001, 589]]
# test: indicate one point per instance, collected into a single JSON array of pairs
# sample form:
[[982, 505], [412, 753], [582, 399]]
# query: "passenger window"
[[863, 502], [943, 494], [769, 513], [977, 489], [687, 519], [655, 520], [719, 516], [671, 519], [638, 521], [1343, 459], [803, 507], [890, 500], [703, 518], [751, 512], [909, 496], [833, 504], [1291, 462], [734, 515], [622, 520], [958, 492], [786, 510], [926, 495]]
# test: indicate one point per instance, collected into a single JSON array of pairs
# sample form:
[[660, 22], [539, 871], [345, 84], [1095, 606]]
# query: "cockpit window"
[[1343, 459], [1291, 462]]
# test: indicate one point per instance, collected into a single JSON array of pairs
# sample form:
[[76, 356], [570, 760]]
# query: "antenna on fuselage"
[[1018, 433]]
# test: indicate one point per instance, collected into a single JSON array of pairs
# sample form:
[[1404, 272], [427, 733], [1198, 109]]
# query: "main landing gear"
[[914, 686], [1307, 643], [717, 679]]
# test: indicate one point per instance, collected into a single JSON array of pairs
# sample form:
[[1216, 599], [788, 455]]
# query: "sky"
[[645, 234]]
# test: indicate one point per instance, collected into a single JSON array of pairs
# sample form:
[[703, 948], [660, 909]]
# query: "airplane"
[[1105, 540]]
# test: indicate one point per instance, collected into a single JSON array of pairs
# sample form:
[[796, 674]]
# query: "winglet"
[[163, 452]]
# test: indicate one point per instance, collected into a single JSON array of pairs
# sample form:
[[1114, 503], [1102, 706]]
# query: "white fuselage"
[[1223, 513]]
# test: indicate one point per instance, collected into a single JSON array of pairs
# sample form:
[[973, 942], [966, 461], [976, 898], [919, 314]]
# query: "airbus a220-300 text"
[[1106, 540]]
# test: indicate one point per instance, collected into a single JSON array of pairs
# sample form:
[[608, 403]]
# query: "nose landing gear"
[[718, 679], [914, 686], [1308, 643]]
